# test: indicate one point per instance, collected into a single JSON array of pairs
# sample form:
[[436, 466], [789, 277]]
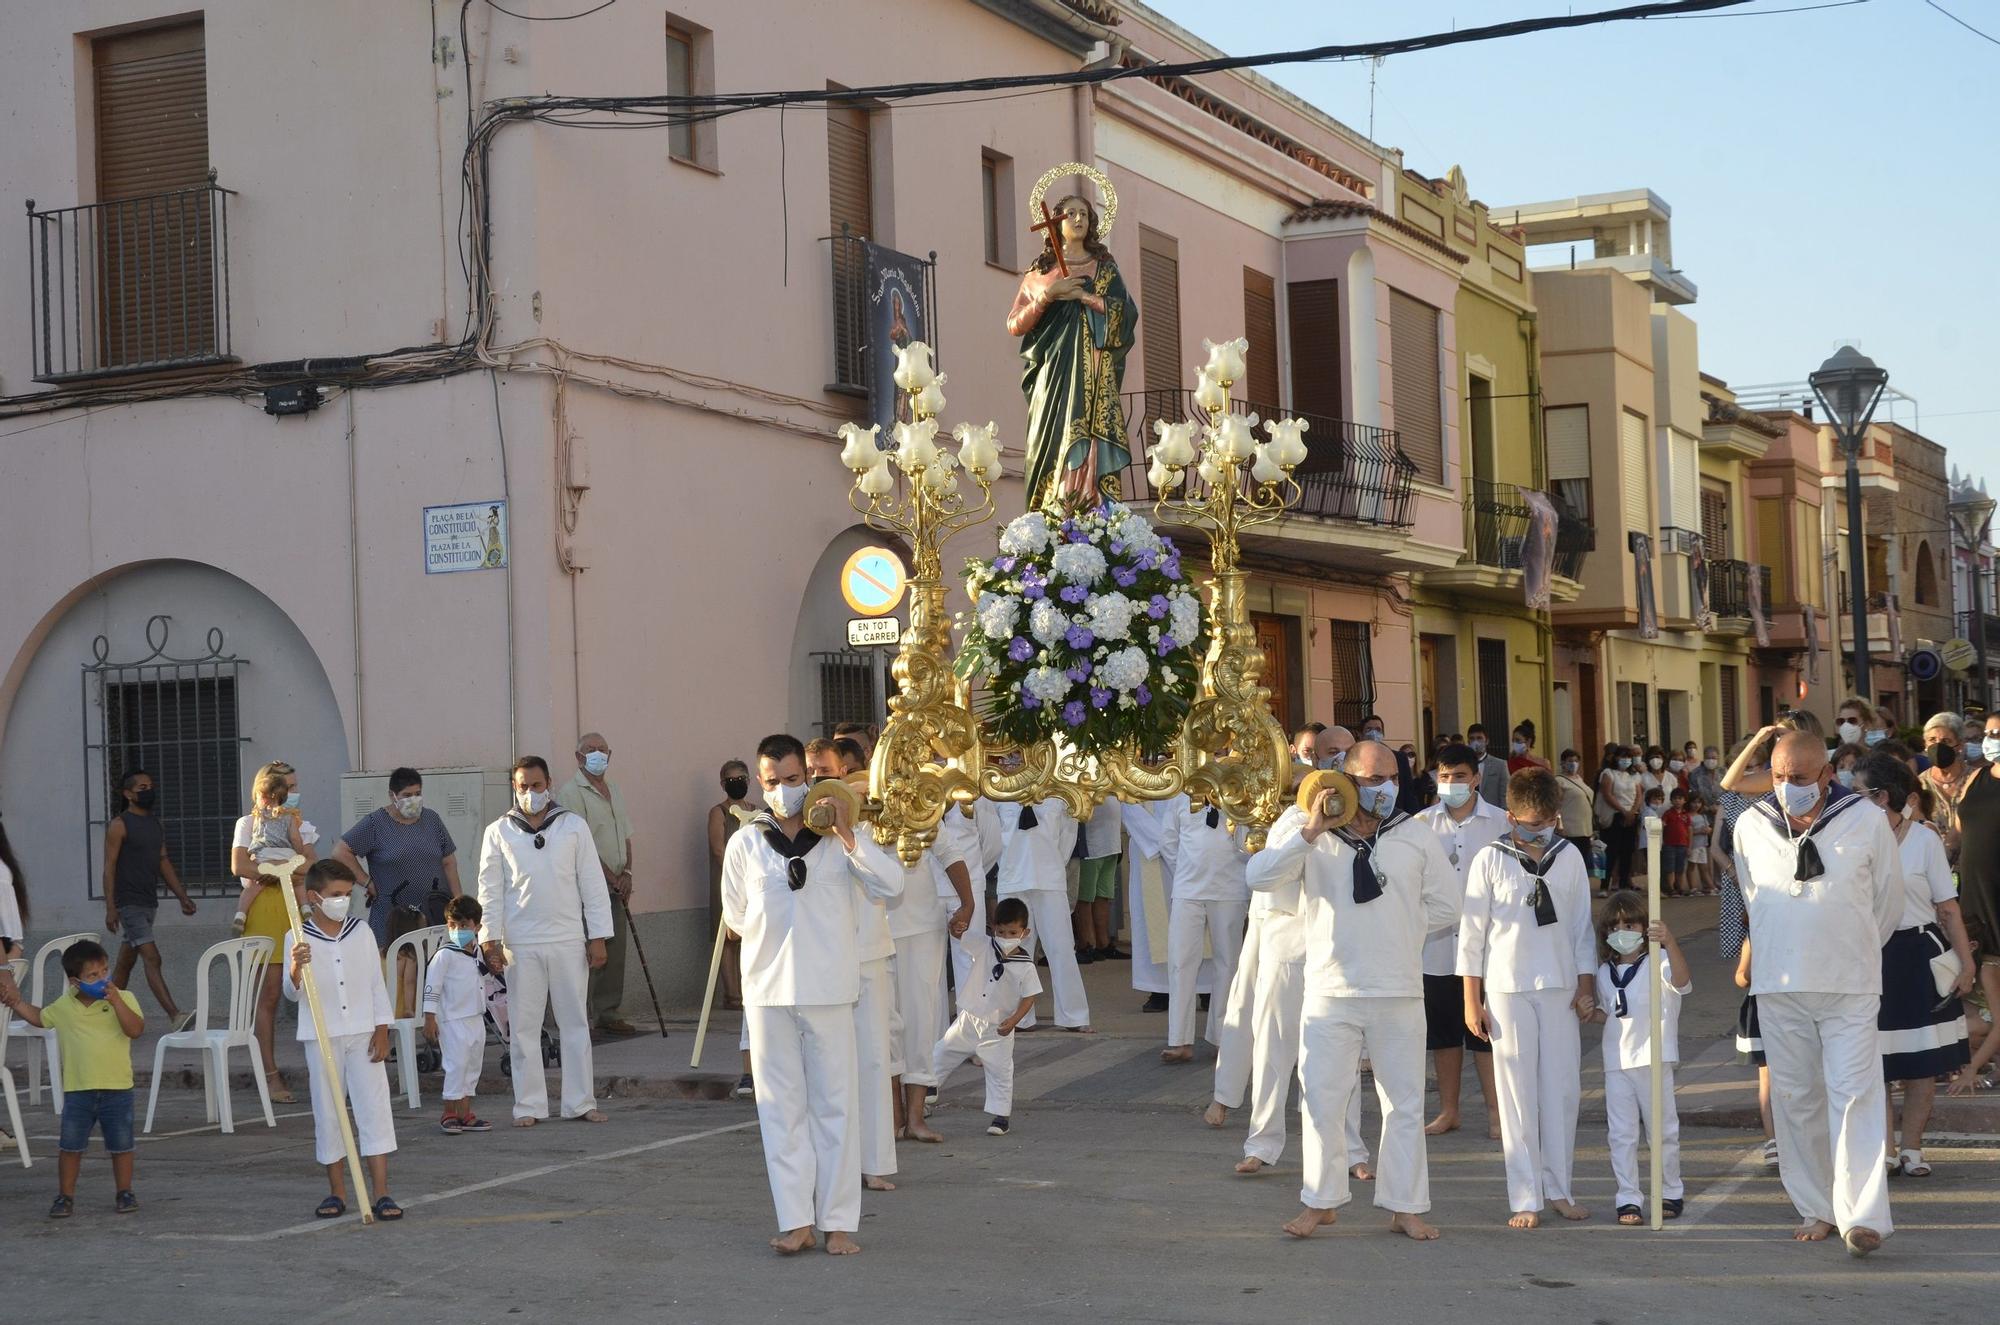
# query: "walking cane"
[[708, 999], [632, 932], [283, 871], [1655, 1000]]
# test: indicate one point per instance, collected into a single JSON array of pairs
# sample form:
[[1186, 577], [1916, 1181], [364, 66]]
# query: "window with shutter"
[[1715, 539], [1681, 450], [1413, 352], [1566, 432], [1492, 659], [1260, 328], [850, 194], [1771, 550], [1313, 322], [1732, 706], [1160, 306], [1633, 472]]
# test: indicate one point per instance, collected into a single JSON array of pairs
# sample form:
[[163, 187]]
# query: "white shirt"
[[1146, 823], [554, 893], [10, 909], [454, 990], [798, 946], [1368, 949], [346, 971], [1499, 939], [1103, 835], [1207, 863], [1487, 823], [922, 908], [1035, 859], [1927, 878], [993, 1000], [1625, 1038], [982, 852], [1277, 897], [1828, 938]]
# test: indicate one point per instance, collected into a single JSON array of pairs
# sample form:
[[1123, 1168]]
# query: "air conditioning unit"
[[467, 799]]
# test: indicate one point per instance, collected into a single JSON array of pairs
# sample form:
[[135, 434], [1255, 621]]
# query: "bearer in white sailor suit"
[[1373, 891], [338, 951], [454, 1001], [982, 861], [1148, 875], [1528, 951], [793, 896], [1035, 845], [1211, 901], [920, 924]]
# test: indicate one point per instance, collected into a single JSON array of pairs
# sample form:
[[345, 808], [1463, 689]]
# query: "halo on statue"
[[1107, 196]]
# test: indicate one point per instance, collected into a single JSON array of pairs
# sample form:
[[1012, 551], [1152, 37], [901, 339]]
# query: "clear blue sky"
[[1832, 174]]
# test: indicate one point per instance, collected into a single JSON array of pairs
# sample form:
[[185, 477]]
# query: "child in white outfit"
[[338, 952], [1001, 991], [1624, 1004], [454, 998]]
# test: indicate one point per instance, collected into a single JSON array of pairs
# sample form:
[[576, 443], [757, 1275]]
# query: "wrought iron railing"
[[1729, 587], [855, 364], [1351, 472], [1500, 522], [1969, 626], [133, 285]]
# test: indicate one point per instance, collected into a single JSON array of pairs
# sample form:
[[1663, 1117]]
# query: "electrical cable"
[[1961, 22], [555, 18]]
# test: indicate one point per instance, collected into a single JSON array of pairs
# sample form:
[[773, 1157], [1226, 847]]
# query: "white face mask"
[[1009, 944], [1454, 794], [1990, 747], [409, 806], [1625, 942], [1676, 765], [1798, 801], [531, 802], [785, 800], [1711, 764], [336, 908], [1569, 766], [1655, 764], [1850, 733]]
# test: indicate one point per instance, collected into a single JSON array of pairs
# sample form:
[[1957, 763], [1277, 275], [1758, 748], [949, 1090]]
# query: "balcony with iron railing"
[[1730, 598], [1498, 524], [1970, 625], [135, 285]]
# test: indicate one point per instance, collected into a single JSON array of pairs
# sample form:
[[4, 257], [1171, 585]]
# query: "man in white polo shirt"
[[1823, 884]]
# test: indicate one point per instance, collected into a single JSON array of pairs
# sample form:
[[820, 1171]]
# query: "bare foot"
[[1250, 1165], [1217, 1115], [1525, 1219], [1077, 1030], [1309, 1219], [1570, 1210], [794, 1242], [1413, 1226], [869, 1183], [1181, 1054], [1443, 1123], [1861, 1241], [1813, 1230], [592, 1116], [922, 1132], [840, 1244], [526, 1122], [1361, 1172], [1493, 1131]]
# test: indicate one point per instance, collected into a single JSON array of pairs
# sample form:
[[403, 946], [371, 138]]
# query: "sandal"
[[1913, 1164], [1671, 1208], [279, 1091], [331, 1208], [385, 1207], [1630, 1214], [1771, 1154]]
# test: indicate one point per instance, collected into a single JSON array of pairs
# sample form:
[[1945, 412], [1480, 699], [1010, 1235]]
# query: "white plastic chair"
[[423, 945], [247, 968], [19, 1133], [42, 993]]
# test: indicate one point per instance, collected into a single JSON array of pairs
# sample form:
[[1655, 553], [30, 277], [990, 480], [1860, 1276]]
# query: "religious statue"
[[1075, 319]]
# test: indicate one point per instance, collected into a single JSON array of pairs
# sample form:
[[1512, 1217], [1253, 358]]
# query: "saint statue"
[[1075, 320]]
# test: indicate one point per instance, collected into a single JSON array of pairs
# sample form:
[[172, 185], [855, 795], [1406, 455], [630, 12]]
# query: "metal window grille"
[[1492, 657], [176, 718], [1732, 711], [850, 687], [1641, 719], [1353, 673]]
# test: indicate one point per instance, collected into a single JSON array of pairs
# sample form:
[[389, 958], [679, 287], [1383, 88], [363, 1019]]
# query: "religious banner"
[[1642, 567], [1704, 615], [1755, 593], [1894, 612], [1538, 549], [895, 314], [1812, 641]]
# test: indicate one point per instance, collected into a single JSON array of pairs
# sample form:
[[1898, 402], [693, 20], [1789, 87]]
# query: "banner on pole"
[[1704, 616], [1538, 549], [896, 315], [1758, 620], [1642, 569]]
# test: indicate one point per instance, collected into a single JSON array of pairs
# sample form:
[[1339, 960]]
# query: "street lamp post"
[[1974, 515], [1849, 386]]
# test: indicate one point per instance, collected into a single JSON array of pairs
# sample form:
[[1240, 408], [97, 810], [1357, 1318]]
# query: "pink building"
[[242, 221]]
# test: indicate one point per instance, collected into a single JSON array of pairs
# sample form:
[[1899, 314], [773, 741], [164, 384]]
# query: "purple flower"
[[1126, 576], [1143, 695], [1079, 637], [1004, 564], [1099, 697], [1019, 649], [1167, 645], [1117, 547], [1028, 701], [1157, 609], [1073, 713], [1075, 593], [1171, 567], [1148, 559], [1031, 589], [1078, 670]]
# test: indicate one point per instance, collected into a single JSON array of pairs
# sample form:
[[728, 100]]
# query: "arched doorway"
[[831, 682]]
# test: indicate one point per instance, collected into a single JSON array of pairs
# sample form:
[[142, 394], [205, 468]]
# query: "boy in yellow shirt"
[[95, 1023]]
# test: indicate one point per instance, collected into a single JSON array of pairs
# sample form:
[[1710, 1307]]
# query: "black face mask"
[[144, 799], [736, 788], [1944, 754]]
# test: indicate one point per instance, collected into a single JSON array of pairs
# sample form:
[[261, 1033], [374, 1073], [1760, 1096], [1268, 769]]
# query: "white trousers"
[[462, 1044], [1537, 1073], [1826, 1060], [1049, 924], [367, 1090], [1628, 1099], [919, 1003], [1190, 921], [542, 977], [1275, 1022], [969, 1035], [874, 1115], [1334, 1035], [1235, 1045], [961, 951], [803, 1062]]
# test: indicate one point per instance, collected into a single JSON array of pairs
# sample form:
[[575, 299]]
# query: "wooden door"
[[1590, 733], [1271, 638], [1427, 655]]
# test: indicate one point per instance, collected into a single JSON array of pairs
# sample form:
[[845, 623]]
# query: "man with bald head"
[[595, 799], [1820, 878]]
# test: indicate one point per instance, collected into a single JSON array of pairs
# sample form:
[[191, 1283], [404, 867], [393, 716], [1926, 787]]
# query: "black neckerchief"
[[1367, 886], [1807, 864], [1027, 819], [1001, 957], [1214, 817], [515, 818], [1631, 971], [792, 849], [1543, 902]]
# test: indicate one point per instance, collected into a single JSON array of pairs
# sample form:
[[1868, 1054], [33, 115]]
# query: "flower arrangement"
[[1083, 630]]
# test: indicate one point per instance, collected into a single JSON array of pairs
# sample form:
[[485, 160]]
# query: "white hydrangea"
[[1184, 617], [1124, 670], [1110, 615], [997, 614], [1135, 533], [1047, 622], [1027, 533], [1047, 684], [1079, 563]]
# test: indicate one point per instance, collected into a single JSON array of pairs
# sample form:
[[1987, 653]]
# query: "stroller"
[[496, 1022]]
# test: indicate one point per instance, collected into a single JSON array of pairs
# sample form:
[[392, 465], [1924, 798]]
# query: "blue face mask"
[[596, 762], [1990, 747], [1378, 801], [461, 938], [1875, 737], [1537, 837], [292, 801], [1454, 794], [93, 988]]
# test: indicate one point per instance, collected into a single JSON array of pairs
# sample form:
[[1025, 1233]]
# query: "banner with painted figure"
[[894, 314], [1642, 569], [1762, 624], [1704, 615], [1538, 549], [1811, 619]]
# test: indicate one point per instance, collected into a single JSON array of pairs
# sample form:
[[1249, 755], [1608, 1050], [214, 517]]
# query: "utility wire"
[[554, 18], [1961, 22]]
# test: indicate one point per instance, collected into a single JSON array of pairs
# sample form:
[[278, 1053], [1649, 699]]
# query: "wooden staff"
[[1655, 999], [708, 999], [284, 870]]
